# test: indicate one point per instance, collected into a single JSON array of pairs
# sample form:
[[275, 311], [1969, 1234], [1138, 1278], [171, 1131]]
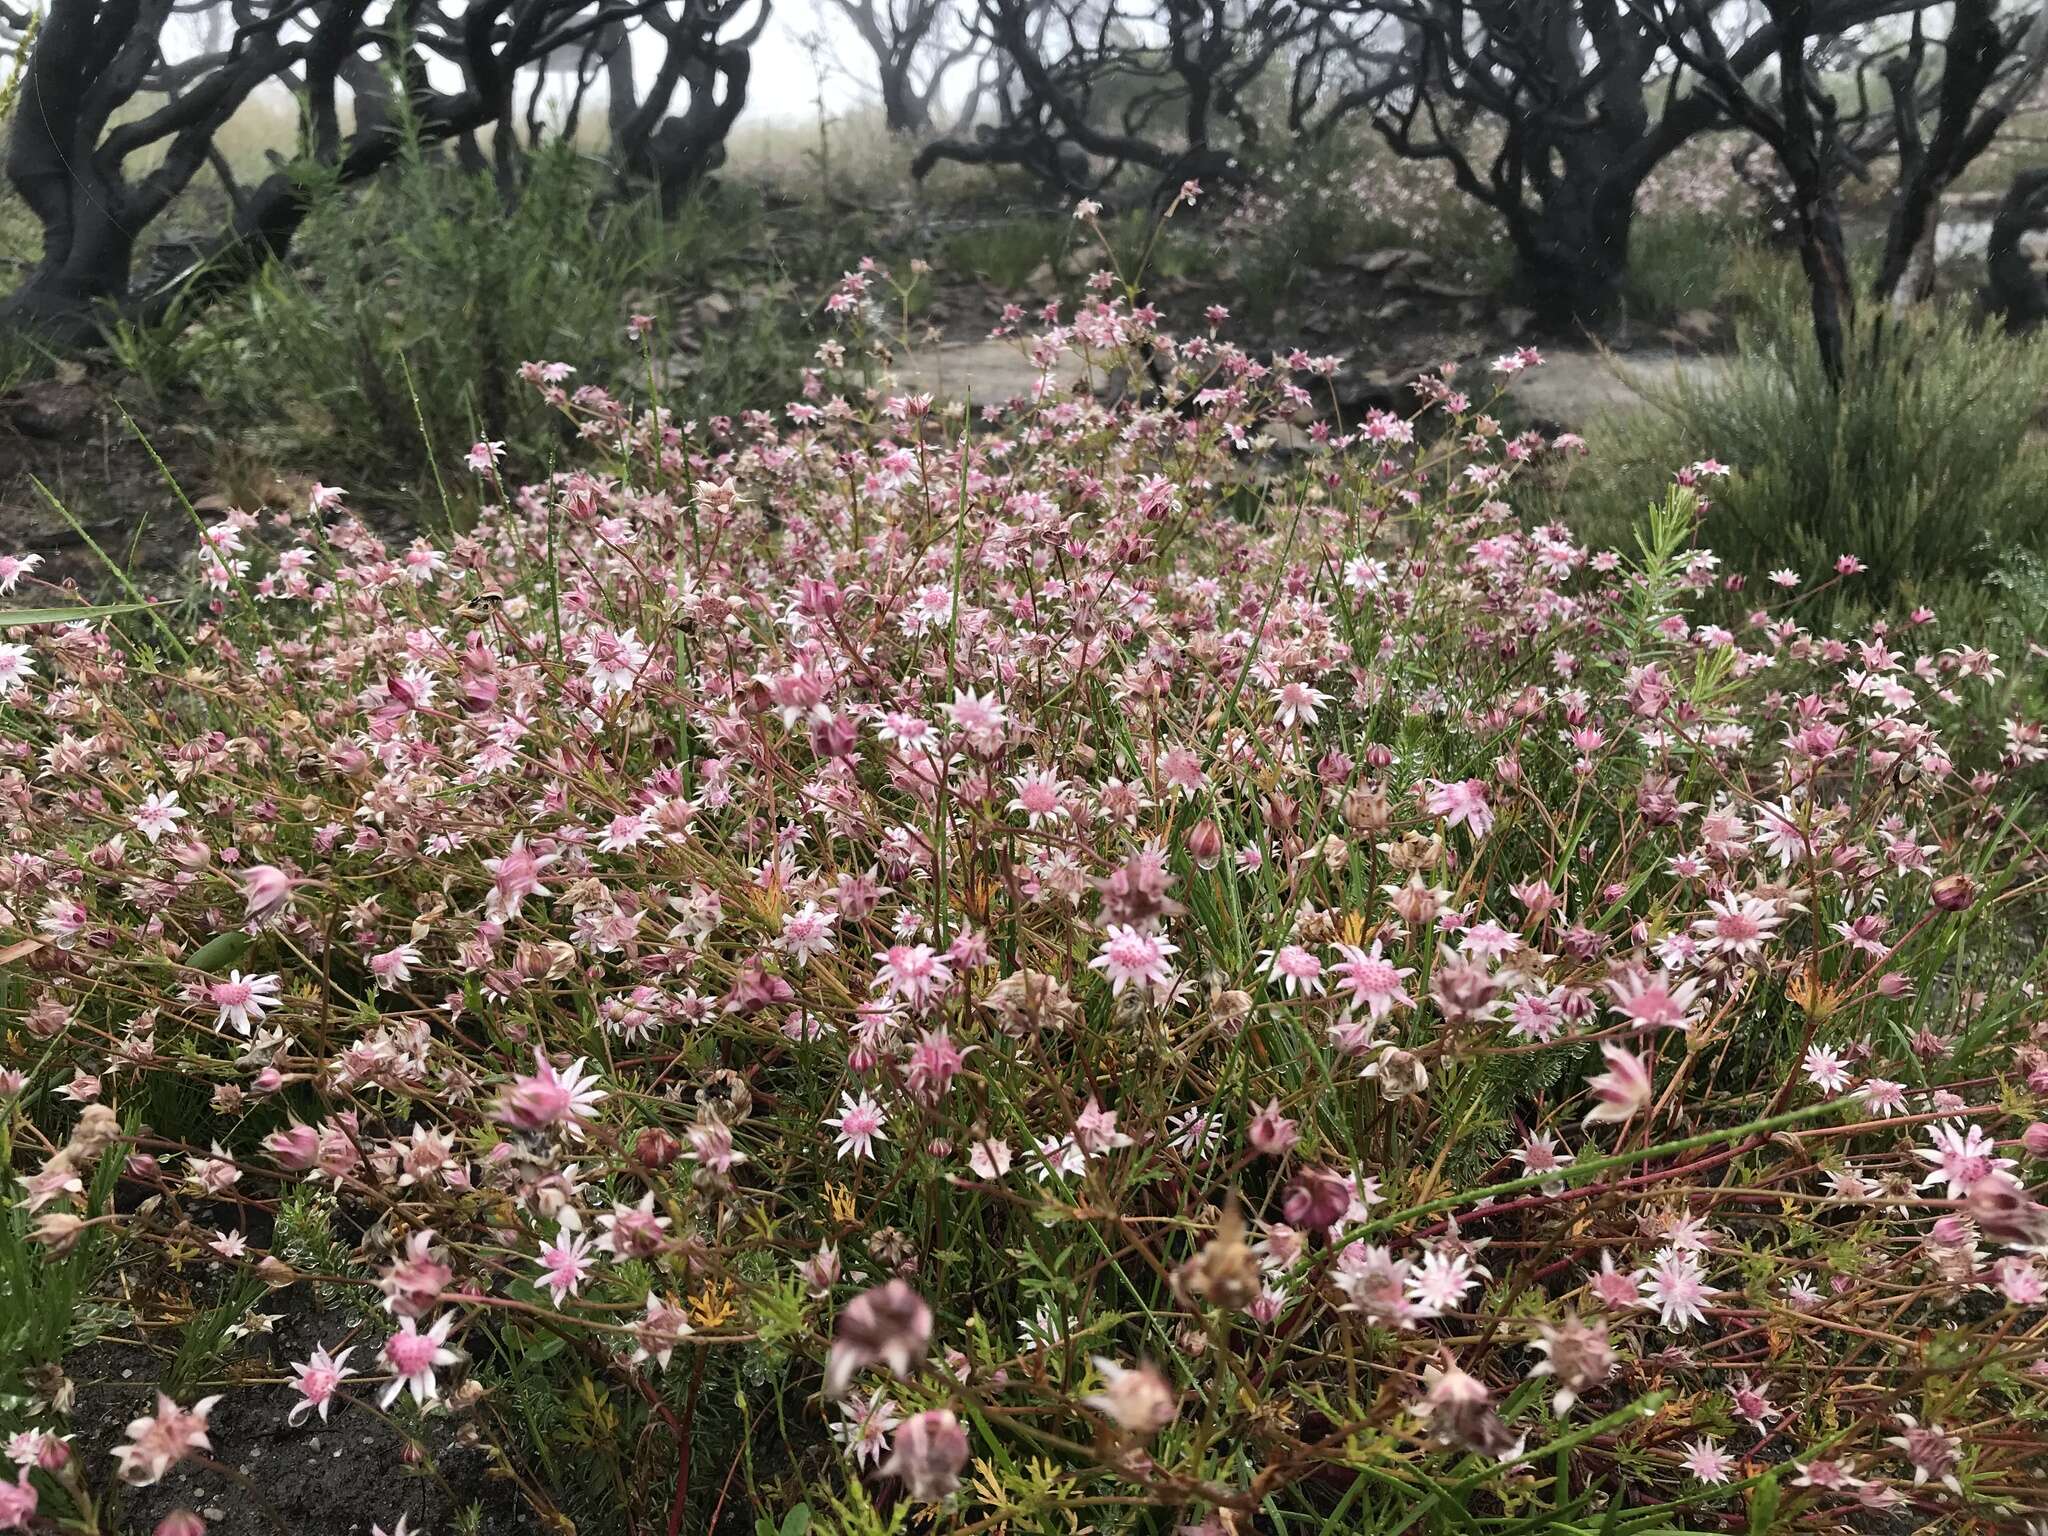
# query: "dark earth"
[[340, 1478]]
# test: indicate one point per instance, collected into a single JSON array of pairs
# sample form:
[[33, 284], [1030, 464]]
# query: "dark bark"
[[1805, 143], [677, 152], [2015, 288], [1801, 125], [95, 60], [1571, 259], [1979, 57], [1074, 86], [905, 109], [65, 155], [1551, 113], [1566, 87], [621, 91], [910, 60]]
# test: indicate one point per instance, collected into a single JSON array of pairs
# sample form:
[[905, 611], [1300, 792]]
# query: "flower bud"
[[1367, 810], [656, 1148], [181, 1522], [1460, 1413], [274, 1272], [835, 737], [2005, 1213], [1955, 893], [1416, 904], [1272, 1134], [59, 1231], [1316, 1198], [1951, 1231], [927, 1454], [1138, 1400], [1463, 991], [889, 1325], [1576, 1354], [97, 1129], [1225, 1273], [1400, 1074], [18, 1501], [266, 889]]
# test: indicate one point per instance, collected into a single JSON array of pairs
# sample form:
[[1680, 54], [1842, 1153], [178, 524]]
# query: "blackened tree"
[[1944, 118], [2014, 288], [1092, 87], [1553, 113], [706, 63], [1790, 109], [115, 119], [916, 44]]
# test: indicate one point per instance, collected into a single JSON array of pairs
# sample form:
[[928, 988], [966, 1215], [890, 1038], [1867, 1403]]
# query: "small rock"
[[51, 408], [1696, 323], [1442, 290], [1392, 259]]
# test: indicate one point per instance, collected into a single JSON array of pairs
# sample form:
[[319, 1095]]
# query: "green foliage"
[[1925, 463], [1008, 251], [10, 87], [44, 1306], [20, 240], [162, 355], [1682, 261], [393, 339], [2013, 622], [206, 1335]]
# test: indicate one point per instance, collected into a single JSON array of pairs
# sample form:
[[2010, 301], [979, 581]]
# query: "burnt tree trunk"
[[1571, 252], [2013, 288], [1975, 51], [1809, 154], [677, 153], [904, 108], [88, 255], [622, 94], [88, 250]]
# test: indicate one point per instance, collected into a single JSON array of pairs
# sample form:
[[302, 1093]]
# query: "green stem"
[[1578, 1173]]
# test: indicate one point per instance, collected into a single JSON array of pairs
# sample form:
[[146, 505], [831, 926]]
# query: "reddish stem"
[[675, 1505]]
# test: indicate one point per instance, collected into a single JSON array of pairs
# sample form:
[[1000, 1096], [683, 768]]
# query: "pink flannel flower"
[[1622, 1091]]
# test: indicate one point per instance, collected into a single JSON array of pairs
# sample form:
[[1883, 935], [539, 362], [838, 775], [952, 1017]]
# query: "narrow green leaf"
[[220, 951], [21, 618], [1763, 1505]]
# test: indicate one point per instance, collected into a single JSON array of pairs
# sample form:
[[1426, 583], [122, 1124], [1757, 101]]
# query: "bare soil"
[[339, 1478], [64, 442]]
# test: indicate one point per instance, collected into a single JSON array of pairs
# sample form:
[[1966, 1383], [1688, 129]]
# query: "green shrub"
[[1926, 463], [400, 323], [1007, 252], [1682, 261]]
